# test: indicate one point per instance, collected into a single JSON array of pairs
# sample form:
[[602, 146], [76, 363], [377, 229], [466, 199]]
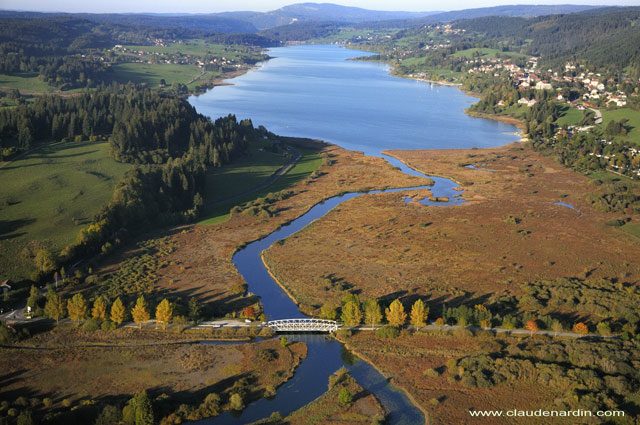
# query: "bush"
[[387, 332], [46, 402], [431, 373], [91, 325], [345, 397], [343, 333], [108, 326]]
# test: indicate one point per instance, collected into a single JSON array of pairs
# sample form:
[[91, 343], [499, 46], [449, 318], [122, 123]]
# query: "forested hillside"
[[606, 38]]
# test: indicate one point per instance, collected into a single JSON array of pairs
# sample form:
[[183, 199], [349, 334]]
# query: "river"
[[313, 91]]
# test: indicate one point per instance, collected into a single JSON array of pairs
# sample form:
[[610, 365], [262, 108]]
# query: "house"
[[541, 85], [5, 287]]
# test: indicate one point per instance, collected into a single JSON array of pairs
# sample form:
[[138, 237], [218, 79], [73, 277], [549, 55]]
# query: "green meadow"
[[241, 176], [622, 113], [25, 82], [48, 195], [151, 73], [569, 116]]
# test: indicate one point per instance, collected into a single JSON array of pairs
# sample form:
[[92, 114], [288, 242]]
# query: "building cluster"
[[177, 58]]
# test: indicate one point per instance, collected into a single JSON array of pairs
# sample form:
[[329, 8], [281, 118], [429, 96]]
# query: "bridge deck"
[[303, 325]]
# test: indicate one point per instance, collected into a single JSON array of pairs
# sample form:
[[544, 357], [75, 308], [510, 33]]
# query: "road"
[[598, 119], [235, 323]]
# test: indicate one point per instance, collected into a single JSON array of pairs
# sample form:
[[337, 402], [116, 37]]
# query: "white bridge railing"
[[303, 325]]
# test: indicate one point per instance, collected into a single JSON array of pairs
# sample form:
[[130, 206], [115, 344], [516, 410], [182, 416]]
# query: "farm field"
[[152, 73], [48, 195], [510, 232], [194, 47]]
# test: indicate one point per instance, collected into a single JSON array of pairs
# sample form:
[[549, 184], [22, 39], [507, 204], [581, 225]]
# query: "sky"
[[211, 6]]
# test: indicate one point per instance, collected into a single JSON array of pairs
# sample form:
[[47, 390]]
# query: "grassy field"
[[419, 65], [28, 82], [622, 113], [48, 195], [243, 174], [240, 177], [569, 116], [487, 53], [193, 47], [152, 73]]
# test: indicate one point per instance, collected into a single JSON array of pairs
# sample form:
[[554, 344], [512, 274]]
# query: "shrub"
[[66, 402], [580, 328], [91, 325], [345, 397], [344, 333], [270, 391], [387, 332], [236, 402], [431, 373], [46, 402], [108, 326]]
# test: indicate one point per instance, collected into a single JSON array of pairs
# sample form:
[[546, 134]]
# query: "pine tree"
[[164, 312], [99, 310], [372, 313], [77, 308], [351, 314], [118, 312], [395, 314], [140, 313], [419, 314]]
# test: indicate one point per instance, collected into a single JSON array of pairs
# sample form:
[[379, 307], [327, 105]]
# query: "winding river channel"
[[313, 91]]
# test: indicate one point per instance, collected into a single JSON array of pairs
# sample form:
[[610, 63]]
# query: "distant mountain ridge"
[[252, 22]]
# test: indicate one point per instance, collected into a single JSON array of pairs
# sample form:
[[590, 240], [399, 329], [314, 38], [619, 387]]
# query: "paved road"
[[598, 119], [236, 323]]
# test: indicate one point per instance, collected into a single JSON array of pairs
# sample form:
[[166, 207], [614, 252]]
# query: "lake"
[[314, 91]]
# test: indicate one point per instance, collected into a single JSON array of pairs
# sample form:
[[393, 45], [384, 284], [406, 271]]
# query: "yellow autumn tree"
[[140, 312], [118, 312], [395, 314], [351, 314], [77, 308], [164, 312], [99, 310], [419, 314]]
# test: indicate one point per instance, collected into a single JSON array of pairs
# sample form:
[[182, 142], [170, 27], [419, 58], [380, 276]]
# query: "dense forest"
[[144, 126]]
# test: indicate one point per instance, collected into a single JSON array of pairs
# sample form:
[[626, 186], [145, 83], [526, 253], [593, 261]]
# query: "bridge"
[[303, 325]]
